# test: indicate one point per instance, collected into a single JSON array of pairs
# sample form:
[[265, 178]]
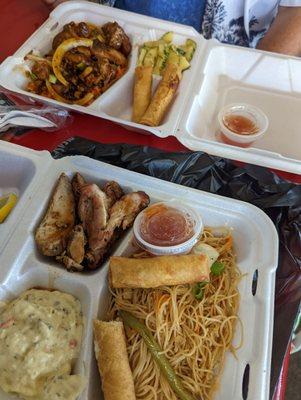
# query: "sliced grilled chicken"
[[77, 183], [76, 244], [122, 216], [93, 211], [70, 264], [113, 192], [53, 232]]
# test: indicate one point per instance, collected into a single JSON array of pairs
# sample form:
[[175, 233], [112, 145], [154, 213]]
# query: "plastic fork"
[[23, 118]]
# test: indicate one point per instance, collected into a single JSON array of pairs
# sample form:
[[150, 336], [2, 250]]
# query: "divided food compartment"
[[231, 74], [256, 245], [19, 174], [116, 103], [219, 75]]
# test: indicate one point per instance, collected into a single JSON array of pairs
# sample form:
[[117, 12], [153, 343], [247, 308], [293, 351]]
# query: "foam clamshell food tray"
[[219, 75], [22, 267]]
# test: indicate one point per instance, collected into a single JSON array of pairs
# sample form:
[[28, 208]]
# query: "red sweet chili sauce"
[[240, 124], [163, 225]]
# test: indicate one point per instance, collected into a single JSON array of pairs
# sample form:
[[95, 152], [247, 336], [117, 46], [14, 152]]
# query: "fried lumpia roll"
[[142, 91], [113, 364], [163, 96], [158, 271]]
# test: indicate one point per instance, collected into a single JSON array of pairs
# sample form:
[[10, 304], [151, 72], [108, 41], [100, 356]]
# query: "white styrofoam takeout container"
[[219, 74], [255, 241], [19, 174]]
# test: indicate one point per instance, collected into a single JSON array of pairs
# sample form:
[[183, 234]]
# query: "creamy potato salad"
[[40, 337]]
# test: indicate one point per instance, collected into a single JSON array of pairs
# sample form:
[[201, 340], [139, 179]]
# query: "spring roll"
[[142, 91], [158, 271], [113, 364], [163, 96]]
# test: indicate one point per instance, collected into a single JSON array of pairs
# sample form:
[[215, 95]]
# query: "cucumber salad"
[[159, 53]]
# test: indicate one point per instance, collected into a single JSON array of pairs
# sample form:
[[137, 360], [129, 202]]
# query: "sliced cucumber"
[[180, 51], [167, 37], [173, 58], [183, 63], [141, 56], [163, 54], [189, 53], [154, 43], [158, 65], [162, 50], [158, 53], [190, 46], [150, 57], [190, 42], [177, 49]]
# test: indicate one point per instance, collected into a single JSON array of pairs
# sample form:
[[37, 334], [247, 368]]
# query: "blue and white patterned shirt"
[[239, 22]]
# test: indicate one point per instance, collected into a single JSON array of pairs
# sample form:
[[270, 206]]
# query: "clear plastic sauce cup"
[[167, 228], [242, 124]]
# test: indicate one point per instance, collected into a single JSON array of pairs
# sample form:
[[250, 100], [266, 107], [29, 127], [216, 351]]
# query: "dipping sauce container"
[[242, 124], [167, 228]]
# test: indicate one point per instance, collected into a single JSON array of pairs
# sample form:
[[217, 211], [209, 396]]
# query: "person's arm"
[[284, 35]]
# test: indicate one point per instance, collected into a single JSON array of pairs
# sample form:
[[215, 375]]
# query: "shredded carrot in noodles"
[[194, 334]]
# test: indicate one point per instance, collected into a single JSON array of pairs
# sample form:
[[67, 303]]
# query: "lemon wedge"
[[7, 203]]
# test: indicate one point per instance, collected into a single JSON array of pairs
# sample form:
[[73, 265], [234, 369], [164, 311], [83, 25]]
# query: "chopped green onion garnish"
[[217, 268], [33, 76], [52, 78], [198, 290]]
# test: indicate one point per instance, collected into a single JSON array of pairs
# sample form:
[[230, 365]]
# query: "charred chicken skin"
[[113, 192]]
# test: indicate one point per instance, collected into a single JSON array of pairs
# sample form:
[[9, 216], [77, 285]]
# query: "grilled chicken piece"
[[93, 211], [101, 50], [76, 244], [41, 70], [53, 232], [75, 57], [113, 192], [70, 264], [69, 31], [75, 253], [83, 30], [117, 38], [122, 216], [73, 30], [107, 71], [77, 182]]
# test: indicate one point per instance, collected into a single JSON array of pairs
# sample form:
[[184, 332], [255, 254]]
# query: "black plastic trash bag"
[[278, 198]]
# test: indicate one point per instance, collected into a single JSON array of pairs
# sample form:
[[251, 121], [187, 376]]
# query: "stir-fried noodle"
[[194, 334]]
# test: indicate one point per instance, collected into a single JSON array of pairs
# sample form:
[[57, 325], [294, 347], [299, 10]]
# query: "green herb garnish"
[[198, 290], [52, 78], [217, 268]]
